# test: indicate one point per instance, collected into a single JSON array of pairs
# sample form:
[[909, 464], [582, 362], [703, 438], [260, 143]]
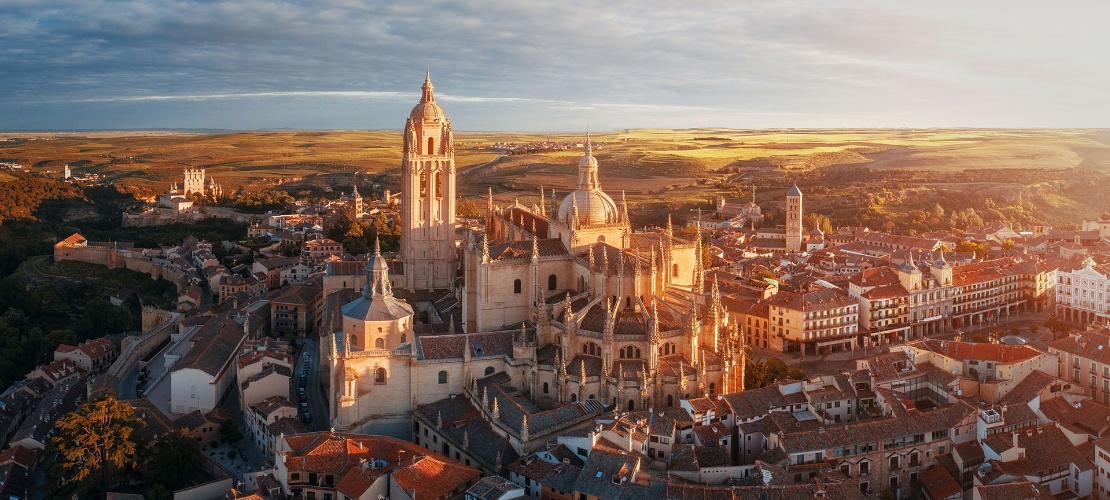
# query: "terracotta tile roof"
[[428, 474], [526, 220], [757, 402], [523, 249], [1090, 345], [1020, 490], [499, 343], [913, 422], [299, 295], [1085, 416], [1033, 384], [939, 483], [25, 457], [999, 353], [74, 239], [1053, 451], [971, 453], [819, 300]]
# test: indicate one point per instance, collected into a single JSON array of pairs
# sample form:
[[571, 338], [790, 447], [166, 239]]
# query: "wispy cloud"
[[503, 64]]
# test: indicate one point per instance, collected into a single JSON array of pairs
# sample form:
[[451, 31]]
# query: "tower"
[[356, 201], [794, 219], [428, 196], [194, 181]]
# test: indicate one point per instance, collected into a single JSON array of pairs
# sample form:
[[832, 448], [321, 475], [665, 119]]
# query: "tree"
[[229, 431], [1033, 329], [762, 372], [466, 208], [979, 247], [1056, 326], [176, 460], [90, 441]]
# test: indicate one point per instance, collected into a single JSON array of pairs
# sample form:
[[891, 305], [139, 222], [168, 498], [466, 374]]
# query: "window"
[[545, 388], [516, 286], [552, 282], [674, 271], [489, 371], [630, 352], [379, 343], [379, 376], [443, 376], [423, 185], [431, 146]]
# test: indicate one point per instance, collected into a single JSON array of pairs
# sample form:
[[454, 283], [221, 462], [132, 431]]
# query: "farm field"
[[1059, 171]]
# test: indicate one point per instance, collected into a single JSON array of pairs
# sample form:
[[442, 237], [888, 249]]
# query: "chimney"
[[1015, 434]]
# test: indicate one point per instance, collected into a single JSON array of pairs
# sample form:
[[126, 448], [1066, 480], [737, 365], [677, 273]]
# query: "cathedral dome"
[[427, 109], [594, 207]]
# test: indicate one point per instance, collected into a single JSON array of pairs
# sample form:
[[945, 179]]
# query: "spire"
[[670, 228], [496, 410], [624, 208], [543, 204], [426, 95], [590, 257], [574, 211], [587, 169], [524, 429], [485, 248], [535, 245]]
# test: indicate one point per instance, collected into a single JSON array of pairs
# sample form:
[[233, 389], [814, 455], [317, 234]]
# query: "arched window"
[[712, 388], [423, 185], [552, 282], [573, 398], [628, 301], [670, 400], [592, 397], [591, 348], [545, 388], [630, 352], [516, 286], [379, 376], [443, 376], [379, 329], [439, 185], [379, 343], [431, 144], [631, 405], [354, 341], [489, 371], [674, 271]]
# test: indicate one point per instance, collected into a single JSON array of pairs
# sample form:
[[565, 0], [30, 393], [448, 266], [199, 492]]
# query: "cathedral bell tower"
[[428, 196]]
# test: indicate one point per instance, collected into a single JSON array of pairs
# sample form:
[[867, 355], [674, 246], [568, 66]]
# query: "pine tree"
[[97, 437]]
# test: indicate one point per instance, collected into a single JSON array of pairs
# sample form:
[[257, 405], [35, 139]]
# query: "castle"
[[563, 304]]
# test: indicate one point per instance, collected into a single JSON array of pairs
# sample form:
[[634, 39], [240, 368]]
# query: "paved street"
[[316, 397]]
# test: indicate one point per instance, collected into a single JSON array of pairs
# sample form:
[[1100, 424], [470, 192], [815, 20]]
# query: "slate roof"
[[499, 343], [602, 466], [523, 249], [299, 295], [1020, 490]]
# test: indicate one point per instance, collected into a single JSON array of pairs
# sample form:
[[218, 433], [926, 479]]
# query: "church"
[[564, 304]]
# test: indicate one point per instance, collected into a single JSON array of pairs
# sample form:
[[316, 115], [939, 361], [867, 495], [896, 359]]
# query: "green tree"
[[813, 220], [1033, 329], [979, 247], [1056, 326], [229, 431], [99, 436], [467, 208], [175, 462]]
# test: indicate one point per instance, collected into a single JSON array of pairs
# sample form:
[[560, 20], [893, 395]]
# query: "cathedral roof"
[[523, 249], [527, 220], [794, 191], [453, 346], [377, 309]]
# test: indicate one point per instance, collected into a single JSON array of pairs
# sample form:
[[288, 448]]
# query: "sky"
[[553, 66]]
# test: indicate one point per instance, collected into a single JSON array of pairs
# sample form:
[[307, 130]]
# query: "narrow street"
[[317, 400]]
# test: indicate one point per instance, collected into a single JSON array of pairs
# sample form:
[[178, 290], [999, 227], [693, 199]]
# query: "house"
[[201, 377], [264, 369], [329, 464], [296, 312], [93, 356]]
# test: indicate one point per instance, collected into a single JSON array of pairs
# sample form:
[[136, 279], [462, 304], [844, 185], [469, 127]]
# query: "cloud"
[[733, 63]]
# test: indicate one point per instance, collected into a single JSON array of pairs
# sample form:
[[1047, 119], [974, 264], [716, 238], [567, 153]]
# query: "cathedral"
[[563, 303]]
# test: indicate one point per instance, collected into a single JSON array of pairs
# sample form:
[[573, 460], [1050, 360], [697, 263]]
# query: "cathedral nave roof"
[[525, 219], [593, 365], [523, 249], [498, 343]]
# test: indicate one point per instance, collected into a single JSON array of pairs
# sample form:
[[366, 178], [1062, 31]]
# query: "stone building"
[[566, 301]]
